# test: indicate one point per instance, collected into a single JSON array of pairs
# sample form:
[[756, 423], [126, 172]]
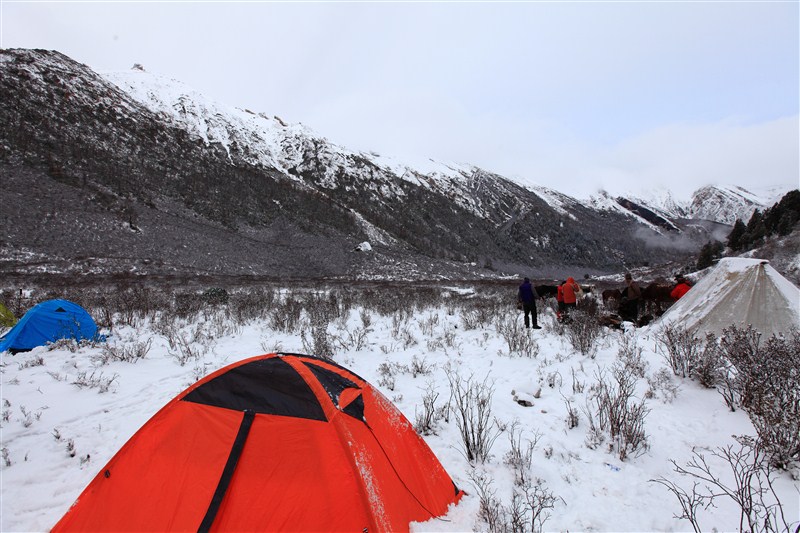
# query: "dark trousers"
[[629, 310], [530, 309]]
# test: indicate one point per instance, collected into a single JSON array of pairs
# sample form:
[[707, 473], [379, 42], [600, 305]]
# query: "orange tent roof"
[[276, 442]]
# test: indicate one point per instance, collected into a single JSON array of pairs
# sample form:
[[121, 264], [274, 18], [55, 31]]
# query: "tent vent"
[[265, 386]]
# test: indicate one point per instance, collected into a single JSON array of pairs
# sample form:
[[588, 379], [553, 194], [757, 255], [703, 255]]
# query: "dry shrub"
[[764, 379]]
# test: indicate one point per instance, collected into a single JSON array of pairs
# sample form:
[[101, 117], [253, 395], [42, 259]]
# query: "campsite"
[[399, 266], [518, 421]]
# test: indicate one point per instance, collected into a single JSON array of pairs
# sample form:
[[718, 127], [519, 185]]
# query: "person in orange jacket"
[[570, 291], [681, 288], [560, 300]]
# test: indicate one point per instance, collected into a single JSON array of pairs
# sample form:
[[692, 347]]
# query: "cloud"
[[685, 157]]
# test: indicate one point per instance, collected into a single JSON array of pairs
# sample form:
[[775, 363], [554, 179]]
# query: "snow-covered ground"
[[56, 435]]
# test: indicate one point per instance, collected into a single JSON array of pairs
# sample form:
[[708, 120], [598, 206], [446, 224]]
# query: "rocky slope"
[[130, 172]]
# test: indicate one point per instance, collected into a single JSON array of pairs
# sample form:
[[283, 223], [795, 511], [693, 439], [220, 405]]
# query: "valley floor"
[[66, 411]]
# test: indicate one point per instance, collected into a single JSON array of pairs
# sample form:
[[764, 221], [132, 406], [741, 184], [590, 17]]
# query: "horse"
[[657, 292], [611, 294], [546, 291], [656, 297]]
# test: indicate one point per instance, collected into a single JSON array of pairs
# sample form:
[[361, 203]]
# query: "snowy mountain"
[[137, 173], [715, 203], [273, 142], [726, 204]]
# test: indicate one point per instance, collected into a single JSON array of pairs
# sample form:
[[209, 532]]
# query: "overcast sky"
[[577, 96]]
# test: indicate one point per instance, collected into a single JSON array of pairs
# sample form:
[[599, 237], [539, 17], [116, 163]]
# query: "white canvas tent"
[[738, 292]]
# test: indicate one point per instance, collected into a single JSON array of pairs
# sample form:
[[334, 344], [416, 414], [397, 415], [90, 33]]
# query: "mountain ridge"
[[134, 158]]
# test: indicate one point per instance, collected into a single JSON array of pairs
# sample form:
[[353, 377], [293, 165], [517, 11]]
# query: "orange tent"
[[278, 442]]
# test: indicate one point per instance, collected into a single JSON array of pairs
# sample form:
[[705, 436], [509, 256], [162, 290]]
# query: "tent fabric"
[[48, 322], [738, 292], [277, 442]]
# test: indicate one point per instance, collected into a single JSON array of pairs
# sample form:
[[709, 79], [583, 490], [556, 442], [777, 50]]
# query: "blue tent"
[[48, 322]]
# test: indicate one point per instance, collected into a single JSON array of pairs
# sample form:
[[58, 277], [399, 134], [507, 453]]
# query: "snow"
[[604, 202], [554, 199], [43, 412]]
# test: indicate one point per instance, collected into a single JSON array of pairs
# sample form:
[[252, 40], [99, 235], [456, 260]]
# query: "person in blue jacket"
[[526, 298]]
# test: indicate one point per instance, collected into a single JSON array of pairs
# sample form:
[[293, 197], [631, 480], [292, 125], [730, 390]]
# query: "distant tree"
[[756, 228], [787, 222], [784, 216], [710, 252], [781, 219], [736, 234]]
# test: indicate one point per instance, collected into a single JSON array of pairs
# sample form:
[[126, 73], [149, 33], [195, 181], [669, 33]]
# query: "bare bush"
[[583, 330], [528, 510], [285, 315], [539, 500], [709, 365], [94, 381], [728, 385], [131, 305], [323, 307], [184, 349], [427, 420], [680, 347], [253, 304], [490, 510], [517, 336], [420, 367], [764, 378], [471, 403], [690, 356], [166, 324], [71, 345], [572, 414], [71, 447], [577, 385], [188, 304], [33, 361], [220, 324], [475, 318], [520, 456], [355, 339], [29, 417], [401, 330], [129, 353], [387, 371], [321, 343], [428, 325], [752, 487], [662, 384], [630, 355], [618, 413]]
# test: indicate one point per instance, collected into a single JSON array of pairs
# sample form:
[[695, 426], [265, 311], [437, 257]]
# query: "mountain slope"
[[151, 161], [726, 204]]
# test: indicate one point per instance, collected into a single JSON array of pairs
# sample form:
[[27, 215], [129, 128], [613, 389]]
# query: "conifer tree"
[[735, 236], [708, 254]]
